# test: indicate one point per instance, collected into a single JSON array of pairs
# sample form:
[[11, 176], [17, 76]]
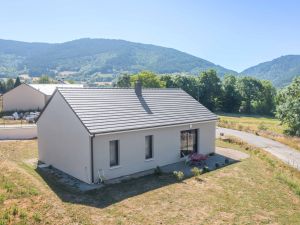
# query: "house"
[[30, 96], [111, 132]]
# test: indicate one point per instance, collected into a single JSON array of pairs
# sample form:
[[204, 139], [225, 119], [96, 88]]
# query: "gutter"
[[92, 157]]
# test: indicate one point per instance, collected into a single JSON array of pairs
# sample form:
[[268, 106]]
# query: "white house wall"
[[166, 149], [23, 98], [63, 141]]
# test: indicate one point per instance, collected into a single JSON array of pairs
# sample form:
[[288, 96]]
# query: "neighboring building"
[[31, 96], [117, 132]]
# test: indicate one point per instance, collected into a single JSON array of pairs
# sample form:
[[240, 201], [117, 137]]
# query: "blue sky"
[[234, 34]]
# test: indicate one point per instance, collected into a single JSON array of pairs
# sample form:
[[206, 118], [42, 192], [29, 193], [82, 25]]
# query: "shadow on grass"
[[107, 195], [114, 193]]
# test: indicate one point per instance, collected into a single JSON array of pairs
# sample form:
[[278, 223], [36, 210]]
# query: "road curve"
[[281, 151]]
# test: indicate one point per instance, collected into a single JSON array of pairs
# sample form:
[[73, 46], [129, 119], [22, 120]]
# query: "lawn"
[[264, 126], [248, 192]]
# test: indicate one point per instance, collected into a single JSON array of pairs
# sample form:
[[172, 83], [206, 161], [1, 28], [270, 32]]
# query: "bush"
[[196, 171], [179, 175], [226, 161], [205, 169], [157, 171]]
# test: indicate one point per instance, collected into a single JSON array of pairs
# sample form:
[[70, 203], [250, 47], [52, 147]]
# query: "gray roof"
[[115, 109]]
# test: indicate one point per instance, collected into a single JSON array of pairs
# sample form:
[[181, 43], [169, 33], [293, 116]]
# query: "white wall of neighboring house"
[[63, 141], [18, 133], [23, 98], [166, 149]]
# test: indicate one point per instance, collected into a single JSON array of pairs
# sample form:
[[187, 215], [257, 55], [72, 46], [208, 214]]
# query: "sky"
[[231, 33]]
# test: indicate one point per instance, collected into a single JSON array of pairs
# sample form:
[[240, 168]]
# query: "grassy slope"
[[264, 126]]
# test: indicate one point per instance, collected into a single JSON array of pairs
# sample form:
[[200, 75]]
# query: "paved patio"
[[218, 158]]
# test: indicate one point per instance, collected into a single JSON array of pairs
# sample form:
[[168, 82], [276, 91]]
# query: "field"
[[249, 192], [264, 126]]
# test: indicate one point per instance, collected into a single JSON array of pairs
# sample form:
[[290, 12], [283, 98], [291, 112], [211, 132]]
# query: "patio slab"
[[218, 158]]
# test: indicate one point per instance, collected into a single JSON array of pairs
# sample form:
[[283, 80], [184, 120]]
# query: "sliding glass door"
[[189, 142]]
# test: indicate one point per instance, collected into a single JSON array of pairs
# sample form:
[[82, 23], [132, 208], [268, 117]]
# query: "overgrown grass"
[[263, 126]]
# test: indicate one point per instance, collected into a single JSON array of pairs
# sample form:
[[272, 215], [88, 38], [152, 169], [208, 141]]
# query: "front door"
[[189, 142]]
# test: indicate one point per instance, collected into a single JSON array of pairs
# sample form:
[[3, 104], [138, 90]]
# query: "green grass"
[[252, 122], [282, 172], [264, 126], [257, 190]]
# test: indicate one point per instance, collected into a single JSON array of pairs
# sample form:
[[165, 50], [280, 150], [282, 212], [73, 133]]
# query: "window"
[[114, 153], [188, 142], [149, 147]]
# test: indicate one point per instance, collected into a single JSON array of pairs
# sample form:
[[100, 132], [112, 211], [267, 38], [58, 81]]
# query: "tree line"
[[9, 84], [231, 94]]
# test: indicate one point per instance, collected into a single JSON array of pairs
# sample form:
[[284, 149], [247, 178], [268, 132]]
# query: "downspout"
[[92, 157]]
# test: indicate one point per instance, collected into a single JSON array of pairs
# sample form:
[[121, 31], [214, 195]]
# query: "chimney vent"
[[138, 88]]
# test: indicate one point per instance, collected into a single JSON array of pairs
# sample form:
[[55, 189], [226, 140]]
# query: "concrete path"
[[281, 151]]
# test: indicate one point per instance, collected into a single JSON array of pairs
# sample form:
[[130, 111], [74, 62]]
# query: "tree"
[[231, 98], [168, 80], [249, 88], [288, 107], [265, 103], [209, 89], [44, 80], [2, 87], [187, 83], [124, 81], [148, 79], [10, 84], [17, 82]]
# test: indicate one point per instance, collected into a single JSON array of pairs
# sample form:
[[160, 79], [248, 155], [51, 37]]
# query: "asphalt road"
[[281, 151]]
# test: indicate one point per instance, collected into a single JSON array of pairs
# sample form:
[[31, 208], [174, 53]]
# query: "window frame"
[[117, 153], [186, 149], [151, 147]]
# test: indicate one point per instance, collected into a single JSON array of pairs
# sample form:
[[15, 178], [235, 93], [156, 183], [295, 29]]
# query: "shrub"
[[179, 175], [226, 161], [205, 169], [196, 171], [157, 171]]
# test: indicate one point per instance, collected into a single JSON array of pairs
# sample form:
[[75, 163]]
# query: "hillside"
[[88, 57], [280, 71]]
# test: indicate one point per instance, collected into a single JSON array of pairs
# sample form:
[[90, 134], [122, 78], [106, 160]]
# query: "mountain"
[[87, 57], [280, 71]]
